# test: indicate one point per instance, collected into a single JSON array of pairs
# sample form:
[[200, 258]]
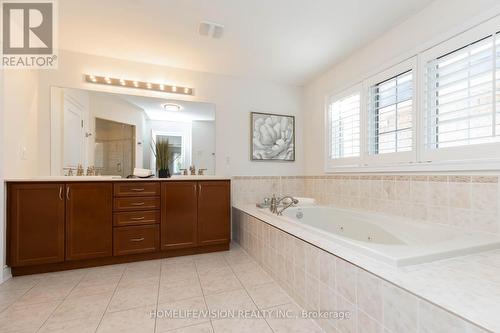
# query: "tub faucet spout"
[[291, 201]]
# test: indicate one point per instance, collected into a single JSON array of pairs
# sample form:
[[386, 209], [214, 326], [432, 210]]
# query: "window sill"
[[491, 165]]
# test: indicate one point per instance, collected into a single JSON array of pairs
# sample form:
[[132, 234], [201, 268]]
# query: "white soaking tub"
[[397, 241]]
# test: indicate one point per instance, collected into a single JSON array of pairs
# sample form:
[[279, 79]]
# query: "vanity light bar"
[[138, 84]]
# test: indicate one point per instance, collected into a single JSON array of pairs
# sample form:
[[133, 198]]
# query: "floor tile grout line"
[[62, 301], [292, 301], [22, 295], [224, 256], [203, 294], [246, 290], [158, 295], [111, 298]]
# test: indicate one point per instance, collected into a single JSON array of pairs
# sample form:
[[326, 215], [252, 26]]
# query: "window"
[[436, 111], [460, 96], [390, 115], [344, 125]]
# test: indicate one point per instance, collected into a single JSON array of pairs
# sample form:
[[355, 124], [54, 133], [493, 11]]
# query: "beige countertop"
[[110, 178], [468, 286]]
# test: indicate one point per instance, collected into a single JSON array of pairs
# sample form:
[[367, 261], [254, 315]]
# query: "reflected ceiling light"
[[171, 107], [138, 84]]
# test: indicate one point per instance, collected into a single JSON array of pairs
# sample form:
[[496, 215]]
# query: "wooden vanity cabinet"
[[89, 220], [195, 213], [55, 226], [179, 222], [35, 216], [214, 211], [136, 218]]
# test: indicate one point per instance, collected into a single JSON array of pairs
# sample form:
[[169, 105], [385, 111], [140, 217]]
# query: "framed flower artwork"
[[273, 137]]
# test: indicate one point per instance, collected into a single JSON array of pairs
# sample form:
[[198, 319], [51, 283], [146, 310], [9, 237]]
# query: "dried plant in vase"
[[161, 150]]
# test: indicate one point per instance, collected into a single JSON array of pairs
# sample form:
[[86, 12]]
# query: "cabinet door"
[[213, 212], [35, 223], [89, 220], [179, 215]]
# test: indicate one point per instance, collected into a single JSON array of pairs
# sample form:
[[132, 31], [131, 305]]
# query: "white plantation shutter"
[[496, 115], [462, 96], [390, 107], [344, 123]]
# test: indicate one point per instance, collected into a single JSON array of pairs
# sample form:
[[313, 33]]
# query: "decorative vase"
[[164, 173]]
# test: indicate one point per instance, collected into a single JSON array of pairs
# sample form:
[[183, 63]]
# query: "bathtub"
[[396, 241]]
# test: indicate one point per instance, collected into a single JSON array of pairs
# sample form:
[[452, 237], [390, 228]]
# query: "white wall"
[[439, 21], [18, 129], [3, 269], [21, 118], [203, 145], [234, 99]]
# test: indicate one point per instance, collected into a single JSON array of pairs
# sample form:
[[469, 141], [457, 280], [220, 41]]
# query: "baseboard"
[[6, 274], [66, 265]]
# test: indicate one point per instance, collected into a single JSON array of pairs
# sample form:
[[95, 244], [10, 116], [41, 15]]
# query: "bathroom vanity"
[[57, 224]]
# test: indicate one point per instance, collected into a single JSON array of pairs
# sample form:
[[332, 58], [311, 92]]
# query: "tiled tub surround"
[[380, 298], [464, 201]]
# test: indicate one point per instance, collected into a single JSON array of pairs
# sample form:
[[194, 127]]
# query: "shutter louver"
[[344, 123], [461, 107], [390, 106]]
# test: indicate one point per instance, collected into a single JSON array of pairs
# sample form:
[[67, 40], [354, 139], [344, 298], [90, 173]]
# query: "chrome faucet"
[[292, 202], [273, 206], [275, 202]]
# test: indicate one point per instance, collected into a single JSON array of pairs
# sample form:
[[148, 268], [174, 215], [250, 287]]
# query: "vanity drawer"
[[136, 239], [136, 218], [136, 203], [133, 189]]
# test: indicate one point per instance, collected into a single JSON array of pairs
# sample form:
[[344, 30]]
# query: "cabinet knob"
[[137, 239], [137, 218], [137, 189], [137, 203]]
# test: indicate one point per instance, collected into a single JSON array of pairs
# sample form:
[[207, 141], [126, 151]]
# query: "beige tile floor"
[[121, 298]]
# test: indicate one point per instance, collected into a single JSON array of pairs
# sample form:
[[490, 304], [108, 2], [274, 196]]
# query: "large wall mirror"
[[114, 133]]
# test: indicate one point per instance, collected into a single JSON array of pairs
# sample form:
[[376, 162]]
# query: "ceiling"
[[189, 111], [285, 41]]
